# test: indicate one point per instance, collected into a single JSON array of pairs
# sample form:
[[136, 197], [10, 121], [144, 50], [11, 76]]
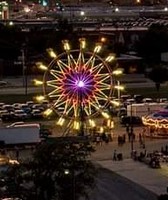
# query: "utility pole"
[[24, 70]]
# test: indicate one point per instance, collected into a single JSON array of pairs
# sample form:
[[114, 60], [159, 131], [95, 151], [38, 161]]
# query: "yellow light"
[[61, 121], [103, 39], [92, 123], [41, 66], [101, 129], [158, 123], [116, 103], [37, 82], [39, 98], [13, 162], [66, 45], [118, 72], [51, 53], [47, 112], [11, 23], [105, 115], [97, 48], [76, 125], [110, 123], [119, 87], [110, 57], [82, 43]]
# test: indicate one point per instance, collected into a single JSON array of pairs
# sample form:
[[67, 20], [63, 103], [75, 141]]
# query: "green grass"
[[146, 92], [16, 98], [149, 92]]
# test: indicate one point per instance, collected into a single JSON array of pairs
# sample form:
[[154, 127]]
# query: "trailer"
[[142, 109], [20, 135]]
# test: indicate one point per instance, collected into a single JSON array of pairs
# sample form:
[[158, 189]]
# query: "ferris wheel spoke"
[[103, 77], [68, 107], [54, 84], [95, 105], [88, 109], [62, 66], [81, 60], [105, 87], [101, 94], [97, 68], [55, 93], [71, 61], [90, 63], [56, 74], [59, 101]]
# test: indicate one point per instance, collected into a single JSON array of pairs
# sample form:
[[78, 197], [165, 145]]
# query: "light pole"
[[24, 70], [72, 176], [119, 87], [131, 132]]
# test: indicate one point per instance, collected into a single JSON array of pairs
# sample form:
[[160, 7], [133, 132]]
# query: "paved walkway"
[[155, 180]]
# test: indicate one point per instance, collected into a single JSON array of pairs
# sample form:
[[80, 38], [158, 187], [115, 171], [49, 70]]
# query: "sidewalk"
[[155, 180]]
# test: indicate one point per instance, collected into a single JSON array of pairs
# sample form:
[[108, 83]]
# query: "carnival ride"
[[157, 123], [79, 85]]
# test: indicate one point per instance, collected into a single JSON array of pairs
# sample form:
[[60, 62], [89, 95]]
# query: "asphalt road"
[[110, 186]]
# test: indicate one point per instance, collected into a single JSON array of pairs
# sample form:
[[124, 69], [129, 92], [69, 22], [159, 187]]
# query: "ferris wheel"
[[77, 83]]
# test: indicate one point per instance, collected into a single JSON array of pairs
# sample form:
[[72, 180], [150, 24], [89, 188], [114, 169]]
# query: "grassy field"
[[146, 92], [149, 92]]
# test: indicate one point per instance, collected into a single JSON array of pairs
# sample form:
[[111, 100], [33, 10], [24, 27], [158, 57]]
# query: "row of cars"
[[22, 111]]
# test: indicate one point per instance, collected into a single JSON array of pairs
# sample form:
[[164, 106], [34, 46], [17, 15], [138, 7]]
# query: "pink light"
[[80, 84]]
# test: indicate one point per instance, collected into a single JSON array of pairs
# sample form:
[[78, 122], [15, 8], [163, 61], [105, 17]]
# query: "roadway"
[[15, 85]]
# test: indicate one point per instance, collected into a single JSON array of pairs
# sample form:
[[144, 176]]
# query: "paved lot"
[[155, 180]]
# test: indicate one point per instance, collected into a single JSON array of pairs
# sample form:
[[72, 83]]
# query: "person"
[[115, 155]]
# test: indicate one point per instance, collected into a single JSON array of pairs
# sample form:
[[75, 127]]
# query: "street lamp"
[[119, 87], [130, 128], [72, 175]]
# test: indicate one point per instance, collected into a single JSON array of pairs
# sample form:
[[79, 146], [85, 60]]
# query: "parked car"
[[38, 107], [20, 114], [3, 112], [25, 108], [147, 100], [138, 98], [36, 113], [3, 83], [8, 107], [7, 117]]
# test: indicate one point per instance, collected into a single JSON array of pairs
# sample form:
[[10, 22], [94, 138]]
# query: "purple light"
[[80, 84]]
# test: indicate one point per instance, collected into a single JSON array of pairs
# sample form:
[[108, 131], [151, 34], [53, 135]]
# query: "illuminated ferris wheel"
[[77, 83]]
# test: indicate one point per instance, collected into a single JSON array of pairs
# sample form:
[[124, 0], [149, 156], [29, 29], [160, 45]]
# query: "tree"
[[154, 42], [159, 74], [163, 197], [58, 170]]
